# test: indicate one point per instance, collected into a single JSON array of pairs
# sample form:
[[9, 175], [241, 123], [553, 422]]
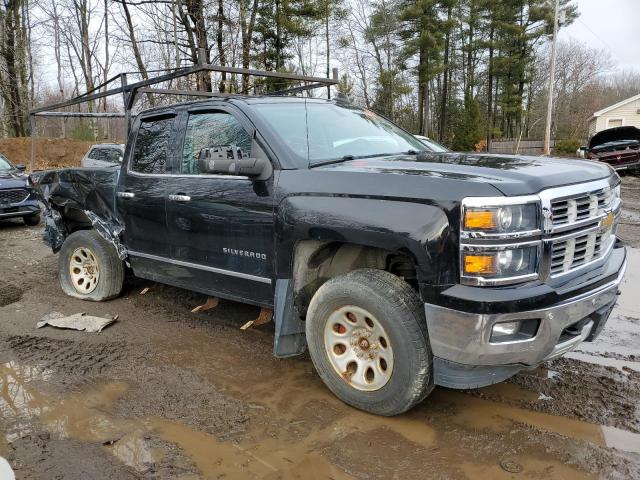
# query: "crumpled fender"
[[66, 192]]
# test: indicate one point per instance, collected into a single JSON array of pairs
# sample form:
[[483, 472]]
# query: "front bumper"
[[28, 207], [622, 160], [460, 340]]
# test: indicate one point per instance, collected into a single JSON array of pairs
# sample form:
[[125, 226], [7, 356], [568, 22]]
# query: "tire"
[[89, 267], [396, 332], [31, 220]]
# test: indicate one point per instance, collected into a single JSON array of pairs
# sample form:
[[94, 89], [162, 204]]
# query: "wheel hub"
[[84, 270], [359, 348], [363, 345]]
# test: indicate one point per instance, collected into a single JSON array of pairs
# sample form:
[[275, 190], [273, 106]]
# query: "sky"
[[612, 25]]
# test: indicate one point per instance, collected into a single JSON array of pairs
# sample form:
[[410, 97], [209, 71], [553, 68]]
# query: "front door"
[[141, 195], [221, 226]]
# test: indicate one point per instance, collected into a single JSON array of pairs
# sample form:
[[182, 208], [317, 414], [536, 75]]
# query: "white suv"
[[103, 155]]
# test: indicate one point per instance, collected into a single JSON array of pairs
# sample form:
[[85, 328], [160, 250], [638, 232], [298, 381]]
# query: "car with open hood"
[[618, 147]]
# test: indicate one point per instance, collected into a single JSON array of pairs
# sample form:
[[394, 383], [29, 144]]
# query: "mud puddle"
[[311, 434], [295, 421]]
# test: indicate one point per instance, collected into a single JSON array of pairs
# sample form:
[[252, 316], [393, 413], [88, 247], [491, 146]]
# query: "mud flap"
[[290, 339]]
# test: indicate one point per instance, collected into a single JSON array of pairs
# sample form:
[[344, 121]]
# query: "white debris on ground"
[[77, 321], [6, 472]]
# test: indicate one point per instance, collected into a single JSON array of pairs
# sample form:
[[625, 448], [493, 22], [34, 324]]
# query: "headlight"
[[500, 240], [501, 219], [499, 264]]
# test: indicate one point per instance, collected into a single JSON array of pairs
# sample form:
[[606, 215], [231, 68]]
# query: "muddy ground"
[[168, 394]]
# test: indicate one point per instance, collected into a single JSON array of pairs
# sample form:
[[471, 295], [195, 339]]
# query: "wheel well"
[[317, 261], [75, 219]]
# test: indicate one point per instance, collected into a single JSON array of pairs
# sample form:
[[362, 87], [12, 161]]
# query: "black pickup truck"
[[398, 268]]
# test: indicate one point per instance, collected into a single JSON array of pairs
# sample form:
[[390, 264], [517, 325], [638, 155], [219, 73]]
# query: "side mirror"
[[228, 160], [21, 166]]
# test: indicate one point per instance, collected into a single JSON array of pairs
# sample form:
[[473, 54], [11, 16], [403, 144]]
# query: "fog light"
[[505, 329], [514, 331]]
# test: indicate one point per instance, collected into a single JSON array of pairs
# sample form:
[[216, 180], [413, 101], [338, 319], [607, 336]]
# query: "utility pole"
[[552, 76]]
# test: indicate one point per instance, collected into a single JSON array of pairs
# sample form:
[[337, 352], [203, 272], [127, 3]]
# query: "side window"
[[150, 152], [208, 130]]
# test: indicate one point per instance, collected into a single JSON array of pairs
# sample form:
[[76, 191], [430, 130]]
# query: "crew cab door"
[[141, 194], [220, 226]]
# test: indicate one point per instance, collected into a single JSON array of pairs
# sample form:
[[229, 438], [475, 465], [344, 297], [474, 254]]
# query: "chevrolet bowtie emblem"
[[607, 222]]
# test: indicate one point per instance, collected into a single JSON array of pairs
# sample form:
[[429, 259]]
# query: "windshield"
[[327, 132], [431, 145], [4, 164]]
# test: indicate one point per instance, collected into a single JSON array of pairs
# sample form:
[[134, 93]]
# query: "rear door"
[[141, 195], [221, 226]]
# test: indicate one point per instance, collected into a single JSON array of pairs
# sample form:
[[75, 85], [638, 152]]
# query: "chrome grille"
[[571, 253], [580, 208], [12, 196], [580, 228]]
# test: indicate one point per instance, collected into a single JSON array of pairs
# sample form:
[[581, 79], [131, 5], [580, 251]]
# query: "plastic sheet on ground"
[[77, 321]]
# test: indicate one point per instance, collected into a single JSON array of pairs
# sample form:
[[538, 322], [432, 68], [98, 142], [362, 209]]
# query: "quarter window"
[[151, 150], [209, 130]]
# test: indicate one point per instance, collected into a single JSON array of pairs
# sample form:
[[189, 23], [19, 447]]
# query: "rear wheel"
[[31, 220], [89, 267], [368, 340]]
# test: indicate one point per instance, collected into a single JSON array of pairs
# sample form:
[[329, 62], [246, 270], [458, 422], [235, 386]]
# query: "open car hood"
[[614, 135]]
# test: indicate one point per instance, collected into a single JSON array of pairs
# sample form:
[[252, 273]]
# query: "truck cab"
[[397, 267]]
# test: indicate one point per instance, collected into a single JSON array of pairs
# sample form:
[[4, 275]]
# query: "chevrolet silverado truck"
[[397, 268]]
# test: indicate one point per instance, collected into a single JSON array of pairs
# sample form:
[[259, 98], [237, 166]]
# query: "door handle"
[[125, 194], [180, 198]]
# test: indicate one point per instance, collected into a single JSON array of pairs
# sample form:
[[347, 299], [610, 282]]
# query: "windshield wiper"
[[349, 157], [416, 152]]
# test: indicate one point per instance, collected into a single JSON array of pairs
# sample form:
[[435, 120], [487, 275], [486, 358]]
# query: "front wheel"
[[89, 267], [368, 340]]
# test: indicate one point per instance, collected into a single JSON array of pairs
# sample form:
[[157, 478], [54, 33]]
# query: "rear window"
[[106, 154], [150, 153]]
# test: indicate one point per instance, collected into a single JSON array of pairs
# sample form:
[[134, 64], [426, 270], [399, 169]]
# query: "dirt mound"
[[50, 152]]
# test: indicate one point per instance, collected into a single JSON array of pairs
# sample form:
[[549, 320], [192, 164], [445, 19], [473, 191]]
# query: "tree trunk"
[[134, 46], [445, 82], [490, 118], [326, 32], [221, 53], [247, 34]]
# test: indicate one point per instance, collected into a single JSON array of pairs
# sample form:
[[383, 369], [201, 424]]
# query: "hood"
[[615, 134], [13, 179], [511, 174]]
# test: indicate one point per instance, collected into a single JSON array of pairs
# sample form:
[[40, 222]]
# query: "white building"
[[624, 113]]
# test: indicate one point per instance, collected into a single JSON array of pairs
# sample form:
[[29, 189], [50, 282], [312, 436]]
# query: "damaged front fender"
[[77, 199]]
